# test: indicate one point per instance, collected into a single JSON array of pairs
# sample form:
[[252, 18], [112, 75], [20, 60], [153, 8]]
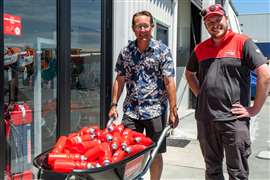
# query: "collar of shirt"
[[151, 46]]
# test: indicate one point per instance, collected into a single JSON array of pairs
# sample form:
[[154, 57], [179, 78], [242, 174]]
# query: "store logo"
[[229, 53], [12, 25]]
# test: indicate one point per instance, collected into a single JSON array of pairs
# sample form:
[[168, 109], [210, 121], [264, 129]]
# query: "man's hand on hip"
[[240, 111]]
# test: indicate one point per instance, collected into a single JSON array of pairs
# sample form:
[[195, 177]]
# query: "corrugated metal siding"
[[164, 11]]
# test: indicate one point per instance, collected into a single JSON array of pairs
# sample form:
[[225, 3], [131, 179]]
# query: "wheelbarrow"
[[134, 167]]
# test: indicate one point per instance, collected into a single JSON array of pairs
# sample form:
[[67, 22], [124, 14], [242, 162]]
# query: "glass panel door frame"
[[106, 60], [63, 70]]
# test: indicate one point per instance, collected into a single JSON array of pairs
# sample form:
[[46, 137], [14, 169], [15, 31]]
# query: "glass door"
[[85, 63], [29, 81]]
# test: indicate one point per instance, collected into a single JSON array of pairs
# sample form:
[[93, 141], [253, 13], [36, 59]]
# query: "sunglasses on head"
[[212, 9]]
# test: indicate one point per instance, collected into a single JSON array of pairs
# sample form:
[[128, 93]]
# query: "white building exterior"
[[256, 26]]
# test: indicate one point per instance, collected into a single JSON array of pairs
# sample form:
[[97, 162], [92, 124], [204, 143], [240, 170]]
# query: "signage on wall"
[[12, 25]]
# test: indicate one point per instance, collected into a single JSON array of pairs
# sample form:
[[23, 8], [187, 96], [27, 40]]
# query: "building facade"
[[257, 26], [57, 66]]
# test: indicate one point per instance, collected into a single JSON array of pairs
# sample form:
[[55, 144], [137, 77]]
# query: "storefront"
[[56, 66]]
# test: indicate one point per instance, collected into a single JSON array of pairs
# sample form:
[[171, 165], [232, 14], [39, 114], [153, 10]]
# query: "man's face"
[[216, 25], [142, 28]]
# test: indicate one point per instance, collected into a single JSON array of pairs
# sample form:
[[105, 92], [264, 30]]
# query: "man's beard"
[[221, 32]]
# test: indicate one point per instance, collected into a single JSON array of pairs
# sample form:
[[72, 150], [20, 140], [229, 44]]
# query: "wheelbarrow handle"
[[166, 131], [110, 122]]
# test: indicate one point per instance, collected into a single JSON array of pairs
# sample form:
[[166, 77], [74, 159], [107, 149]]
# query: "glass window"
[[29, 80], [85, 62], [162, 33]]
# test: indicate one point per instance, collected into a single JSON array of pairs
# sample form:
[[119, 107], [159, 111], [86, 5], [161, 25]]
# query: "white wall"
[[256, 26], [164, 11]]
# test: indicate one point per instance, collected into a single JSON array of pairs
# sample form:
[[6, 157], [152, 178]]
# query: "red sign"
[[134, 167], [12, 25]]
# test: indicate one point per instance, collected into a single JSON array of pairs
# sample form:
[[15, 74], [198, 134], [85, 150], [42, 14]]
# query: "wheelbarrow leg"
[[39, 174], [163, 135], [70, 177]]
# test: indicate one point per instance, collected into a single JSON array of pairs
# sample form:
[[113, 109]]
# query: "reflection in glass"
[[85, 62], [29, 81]]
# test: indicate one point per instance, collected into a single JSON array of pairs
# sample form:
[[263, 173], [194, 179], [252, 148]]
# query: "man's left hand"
[[173, 118]]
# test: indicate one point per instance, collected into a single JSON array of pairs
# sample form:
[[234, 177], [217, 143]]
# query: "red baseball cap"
[[215, 9]]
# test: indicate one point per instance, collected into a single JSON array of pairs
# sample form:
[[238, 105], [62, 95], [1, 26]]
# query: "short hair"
[[143, 13]]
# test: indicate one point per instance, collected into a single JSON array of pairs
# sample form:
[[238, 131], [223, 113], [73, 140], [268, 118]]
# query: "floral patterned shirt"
[[144, 79]]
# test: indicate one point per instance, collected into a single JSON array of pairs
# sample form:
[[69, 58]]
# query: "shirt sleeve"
[[167, 64], [252, 55], [192, 64], [119, 67]]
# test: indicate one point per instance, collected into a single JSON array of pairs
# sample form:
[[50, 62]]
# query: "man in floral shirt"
[[146, 67]]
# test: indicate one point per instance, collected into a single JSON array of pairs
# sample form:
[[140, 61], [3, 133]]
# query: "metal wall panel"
[[257, 26]]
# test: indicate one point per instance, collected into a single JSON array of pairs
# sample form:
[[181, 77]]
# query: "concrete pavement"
[[184, 161]]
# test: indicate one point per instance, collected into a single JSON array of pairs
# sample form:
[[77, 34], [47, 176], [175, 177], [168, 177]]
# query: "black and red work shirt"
[[224, 75]]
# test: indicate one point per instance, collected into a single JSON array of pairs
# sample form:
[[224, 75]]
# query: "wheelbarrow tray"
[[128, 168]]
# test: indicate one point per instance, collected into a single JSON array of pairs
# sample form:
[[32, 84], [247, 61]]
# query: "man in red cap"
[[218, 73]]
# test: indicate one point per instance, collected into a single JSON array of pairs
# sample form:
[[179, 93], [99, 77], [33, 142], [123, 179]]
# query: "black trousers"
[[231, 137]]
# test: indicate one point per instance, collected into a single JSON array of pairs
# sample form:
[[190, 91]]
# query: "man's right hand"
[[113, 112]]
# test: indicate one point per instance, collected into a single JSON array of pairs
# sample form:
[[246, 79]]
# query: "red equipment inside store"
[[18, 119]]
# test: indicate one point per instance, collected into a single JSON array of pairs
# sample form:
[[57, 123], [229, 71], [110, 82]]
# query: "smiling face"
[[216, 26], [142, 28]]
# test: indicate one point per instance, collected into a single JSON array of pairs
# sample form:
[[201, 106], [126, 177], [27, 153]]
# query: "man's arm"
[[171, 90], [262, 87], [262, 90], [118, 86], [192, 82]]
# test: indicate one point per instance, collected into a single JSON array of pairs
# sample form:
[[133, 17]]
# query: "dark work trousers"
[[233, 137]]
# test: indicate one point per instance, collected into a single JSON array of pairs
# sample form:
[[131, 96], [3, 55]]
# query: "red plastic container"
[[65, 165], [21, 114], [59, 146], [62, 156]]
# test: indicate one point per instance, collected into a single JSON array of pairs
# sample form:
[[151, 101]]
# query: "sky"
[[252, 6]]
